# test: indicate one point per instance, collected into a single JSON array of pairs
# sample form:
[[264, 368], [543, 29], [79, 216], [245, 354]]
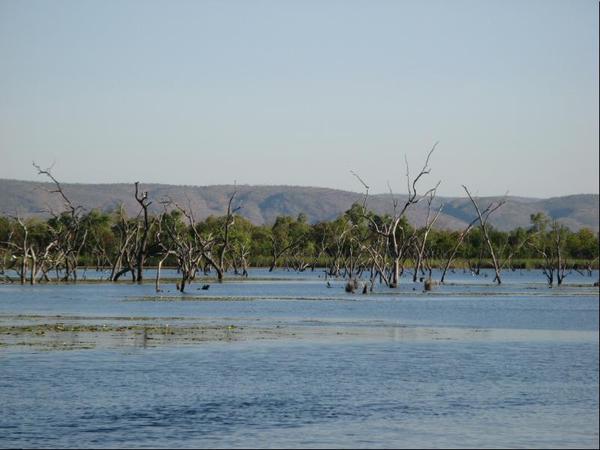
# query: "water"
[[508, 366], [461, 276]]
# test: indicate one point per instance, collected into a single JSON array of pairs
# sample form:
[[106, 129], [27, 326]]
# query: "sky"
[[303, 92]]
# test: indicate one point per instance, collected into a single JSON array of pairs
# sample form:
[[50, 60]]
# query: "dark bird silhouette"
[[205, 287], [328, 284]]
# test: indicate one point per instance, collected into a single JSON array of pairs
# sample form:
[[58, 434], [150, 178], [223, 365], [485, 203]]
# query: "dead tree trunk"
[[461, 238], [428, 226], [484, 230], [25, 254], [558, 248], [142, 199], [229, 222]]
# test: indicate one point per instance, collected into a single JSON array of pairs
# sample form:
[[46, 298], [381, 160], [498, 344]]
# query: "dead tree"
[[391, 230], [31, 247], [338, 241], [71, 235], [558, 232], [461, 238], [18, 243], [188, 246], [7, 261], [550, 246], [124, 261], [421, 243], [41, 253], [165, 245], [228, 223], [483, 224], [241, 252], [378, 261], [133, 240], [142, 248], [183, 245], [485, 213]]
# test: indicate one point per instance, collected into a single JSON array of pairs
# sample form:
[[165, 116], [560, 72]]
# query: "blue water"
[[461, 276], [497, 392]]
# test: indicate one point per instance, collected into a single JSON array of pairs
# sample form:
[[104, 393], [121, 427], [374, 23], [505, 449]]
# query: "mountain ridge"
[[263, 203]]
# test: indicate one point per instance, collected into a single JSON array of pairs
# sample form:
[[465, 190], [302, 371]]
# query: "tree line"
[[357, 244]]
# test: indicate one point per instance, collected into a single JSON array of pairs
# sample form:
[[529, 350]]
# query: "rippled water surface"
[[467, 365]]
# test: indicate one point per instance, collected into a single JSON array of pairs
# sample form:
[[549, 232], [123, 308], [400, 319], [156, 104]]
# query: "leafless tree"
[[550, 246], [240, 255], [338, 242], [225, 244], [452, 255], [185, 245], [142, 248], [166, 245], [127, 231], [483, 224], [421, 241], [396, 237], [19, 248], [190, 247], [70, 234]]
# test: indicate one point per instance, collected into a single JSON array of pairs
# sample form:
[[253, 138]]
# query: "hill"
[[262, 204]]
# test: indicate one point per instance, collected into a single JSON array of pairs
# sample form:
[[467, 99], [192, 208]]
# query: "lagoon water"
[[467, 365]]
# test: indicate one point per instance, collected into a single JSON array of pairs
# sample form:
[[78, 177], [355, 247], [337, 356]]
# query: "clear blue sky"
[[301, 92]]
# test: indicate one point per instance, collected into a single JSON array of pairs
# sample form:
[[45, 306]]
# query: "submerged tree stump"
[[428, 284]]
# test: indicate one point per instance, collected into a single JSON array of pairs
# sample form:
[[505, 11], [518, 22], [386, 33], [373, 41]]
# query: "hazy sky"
[[301, 92]]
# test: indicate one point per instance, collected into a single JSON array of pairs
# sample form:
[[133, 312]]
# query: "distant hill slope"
[[261, 204]]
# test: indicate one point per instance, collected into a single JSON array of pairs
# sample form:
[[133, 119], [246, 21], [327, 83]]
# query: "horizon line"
[[508, 195]]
